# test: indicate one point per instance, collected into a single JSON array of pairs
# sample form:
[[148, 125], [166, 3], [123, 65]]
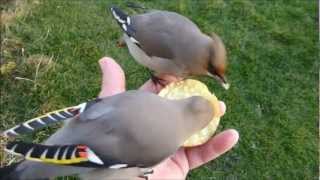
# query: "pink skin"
[[185, 159]]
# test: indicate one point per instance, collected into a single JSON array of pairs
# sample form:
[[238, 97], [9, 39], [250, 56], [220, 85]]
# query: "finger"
[[113, 78], [174, 167], [169, 78], [156, 88], [223, 108], [215, 147], [151, 87]]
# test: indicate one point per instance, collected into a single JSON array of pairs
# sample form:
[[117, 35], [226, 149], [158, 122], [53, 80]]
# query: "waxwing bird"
[[117, 136], [169, 43]]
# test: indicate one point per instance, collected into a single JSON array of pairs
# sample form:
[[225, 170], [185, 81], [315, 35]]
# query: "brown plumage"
[[169, 43]]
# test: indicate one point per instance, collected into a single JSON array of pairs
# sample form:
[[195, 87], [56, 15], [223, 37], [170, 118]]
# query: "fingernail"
[[223, 107], [104, 60]]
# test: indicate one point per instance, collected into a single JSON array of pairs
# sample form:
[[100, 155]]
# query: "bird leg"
[[145, 172], [156, 80], [122, 173], [121, 43]]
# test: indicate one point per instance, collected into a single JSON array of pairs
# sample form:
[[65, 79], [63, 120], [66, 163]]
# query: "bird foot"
[[156, 80], [146, 172], [121, 43]]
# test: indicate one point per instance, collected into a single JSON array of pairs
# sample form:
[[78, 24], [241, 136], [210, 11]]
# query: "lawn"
[[53, 47]]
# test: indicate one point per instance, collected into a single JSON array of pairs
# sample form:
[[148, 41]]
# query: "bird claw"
[[159, 81], [146, 172], [121, 43], [144, 177]]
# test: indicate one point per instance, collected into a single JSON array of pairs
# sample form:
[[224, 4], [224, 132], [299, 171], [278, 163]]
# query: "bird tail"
[[9, 172]]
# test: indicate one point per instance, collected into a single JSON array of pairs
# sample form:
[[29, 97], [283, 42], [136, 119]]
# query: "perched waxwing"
[[118, 136], [169, 43]]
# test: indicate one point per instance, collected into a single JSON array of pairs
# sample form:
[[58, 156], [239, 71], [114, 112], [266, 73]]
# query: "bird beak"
[[226, 86], [222, 80]]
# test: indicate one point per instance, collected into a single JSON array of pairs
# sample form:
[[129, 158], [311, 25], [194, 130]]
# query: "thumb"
[[113, 78]]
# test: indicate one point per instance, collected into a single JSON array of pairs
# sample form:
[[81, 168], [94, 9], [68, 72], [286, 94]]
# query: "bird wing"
[[156, 32], [94, 133], [48, 119], [157, 64], [117, 128]]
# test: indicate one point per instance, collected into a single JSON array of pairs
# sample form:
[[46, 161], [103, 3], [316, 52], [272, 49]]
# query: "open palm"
[[185, 159]]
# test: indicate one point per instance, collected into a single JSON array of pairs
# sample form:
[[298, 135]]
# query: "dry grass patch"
[[11, 52]]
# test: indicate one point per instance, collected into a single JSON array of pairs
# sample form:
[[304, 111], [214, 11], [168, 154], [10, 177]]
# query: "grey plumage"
[[169, 43], [126, 130]]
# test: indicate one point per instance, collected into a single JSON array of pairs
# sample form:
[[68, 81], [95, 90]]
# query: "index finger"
[[151, 87], [215, 147], [156, 87]]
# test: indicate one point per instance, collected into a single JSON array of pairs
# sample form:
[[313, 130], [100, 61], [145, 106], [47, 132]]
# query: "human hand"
[[185, 159]]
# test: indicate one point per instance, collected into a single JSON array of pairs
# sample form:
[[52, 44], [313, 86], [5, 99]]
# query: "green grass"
[[273, 57]]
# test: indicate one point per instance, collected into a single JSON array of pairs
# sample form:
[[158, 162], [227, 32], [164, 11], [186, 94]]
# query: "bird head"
[[218, 61], [199, 113]]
